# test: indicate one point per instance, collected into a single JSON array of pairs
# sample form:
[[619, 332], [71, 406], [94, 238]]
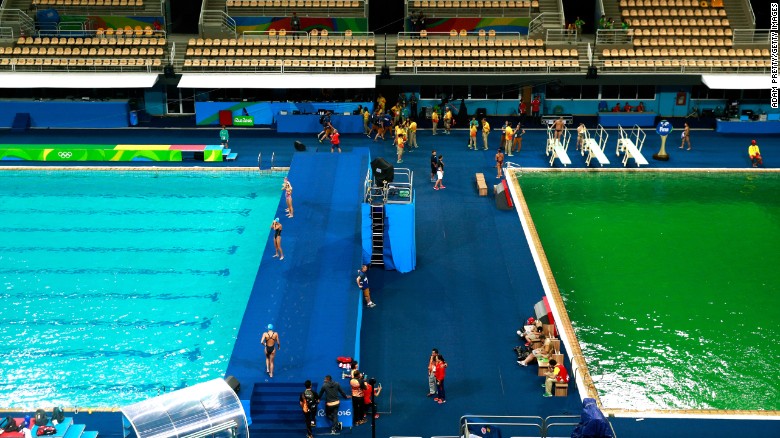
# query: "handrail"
[[173, 53], [749, 36], [614, 36], [7, 32], [26, 24], [560, 36], [750, 8], [541, 19], [590, 55], [563, 15], [79, 25], [449, 35], [503, 420]]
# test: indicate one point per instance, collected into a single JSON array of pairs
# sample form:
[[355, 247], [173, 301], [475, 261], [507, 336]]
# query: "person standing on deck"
[[331, 390], [277, 227], [485, 132], [224, 136], [270, 340]]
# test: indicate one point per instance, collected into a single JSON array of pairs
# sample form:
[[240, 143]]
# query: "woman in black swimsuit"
[[277, 227], [271, 341]]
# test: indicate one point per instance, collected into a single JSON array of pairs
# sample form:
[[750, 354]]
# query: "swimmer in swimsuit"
[[558, 125], [287, 187], [277, 227], [271, 341]]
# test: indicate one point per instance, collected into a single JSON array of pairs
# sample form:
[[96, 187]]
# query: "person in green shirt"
[[603, 22], [224, 137], [578, 23], [625, 25]]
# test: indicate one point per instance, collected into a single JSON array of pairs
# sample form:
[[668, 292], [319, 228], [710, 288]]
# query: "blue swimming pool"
[[119, 284]]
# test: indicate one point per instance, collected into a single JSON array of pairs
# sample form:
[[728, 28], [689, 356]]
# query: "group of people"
[[627, 108], [437, 371], [533, 334], [329, 132], [276, 225], [536, 106]]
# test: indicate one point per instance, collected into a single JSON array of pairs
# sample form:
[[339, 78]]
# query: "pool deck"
[[476, 278]]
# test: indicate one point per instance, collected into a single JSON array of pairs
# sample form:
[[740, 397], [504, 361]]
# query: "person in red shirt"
[[535, 105], [627, 107], [367, 402], [521, 110], [441, 372], [616, 108], [335, 143], [557, 373], [640, 108]]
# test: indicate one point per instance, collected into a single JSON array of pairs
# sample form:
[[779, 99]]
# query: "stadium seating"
[[98, 3], [291, 51], [475, 8], [480, 51], [125, 51], [302, 7]]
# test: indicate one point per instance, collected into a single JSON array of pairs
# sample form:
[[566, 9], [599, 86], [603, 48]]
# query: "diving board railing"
[[558, 147], [400, 191], [595, 147], [521, 425], [630, 144]]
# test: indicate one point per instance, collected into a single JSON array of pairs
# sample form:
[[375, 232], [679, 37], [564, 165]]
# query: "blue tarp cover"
[[592, 422]]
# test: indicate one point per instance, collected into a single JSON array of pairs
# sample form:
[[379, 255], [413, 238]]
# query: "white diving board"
[[595, 148], [630, 143], [558, 147]]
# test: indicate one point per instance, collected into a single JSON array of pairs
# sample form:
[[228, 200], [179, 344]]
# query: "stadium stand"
[[480, 51], [475, 8], [290, 51], [302, 7]]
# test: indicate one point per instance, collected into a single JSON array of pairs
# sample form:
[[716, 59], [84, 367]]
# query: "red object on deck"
[[550, 315], [508, 196], [226, 117]]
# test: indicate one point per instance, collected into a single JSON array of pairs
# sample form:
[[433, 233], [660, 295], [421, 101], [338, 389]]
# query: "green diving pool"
[[669, 280]]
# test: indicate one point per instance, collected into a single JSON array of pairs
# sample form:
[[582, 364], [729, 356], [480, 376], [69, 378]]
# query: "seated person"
[[640, 108], [546, 352], [533, 335], [755, 154], [557, 373], [627, 108], [616, 108]]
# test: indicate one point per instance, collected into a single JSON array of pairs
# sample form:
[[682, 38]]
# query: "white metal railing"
[[614, 36], [539, 22], [219, 18], [749, 7], [560, 10], [6, 32], [20, 18], [751, 36], [70, 25], [173, 53], [677, 66], [590, 55], [561, 36]]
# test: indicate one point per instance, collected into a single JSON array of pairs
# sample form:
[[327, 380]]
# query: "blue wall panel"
[[67, 114]]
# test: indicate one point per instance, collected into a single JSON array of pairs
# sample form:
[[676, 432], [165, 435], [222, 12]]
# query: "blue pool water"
[[117, 284]]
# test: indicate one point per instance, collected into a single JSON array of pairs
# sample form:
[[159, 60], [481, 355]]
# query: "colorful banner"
[[503, 24], [265, 113], [243, 121], [114, 22], [97, 152], [356, 24]]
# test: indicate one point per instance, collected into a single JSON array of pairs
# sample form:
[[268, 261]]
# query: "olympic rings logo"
[[65, 154]]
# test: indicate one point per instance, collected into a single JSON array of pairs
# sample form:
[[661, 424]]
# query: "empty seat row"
[[279, 63], [682, 42], [294, 4], [488, 64], [82, 62], [677, 22], [687, 52], [679, 32], [272, 52], [626, 13], [76, 51], [89, 41], [668, 3], [688, 63], [112, 3], [484, 53], [469, 42], [264, 41], [474, 4]]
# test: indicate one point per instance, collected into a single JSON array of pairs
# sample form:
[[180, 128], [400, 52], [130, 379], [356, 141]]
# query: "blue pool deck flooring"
[[474, 284]]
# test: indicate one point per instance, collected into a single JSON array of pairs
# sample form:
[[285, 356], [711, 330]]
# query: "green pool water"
[[670, 282]]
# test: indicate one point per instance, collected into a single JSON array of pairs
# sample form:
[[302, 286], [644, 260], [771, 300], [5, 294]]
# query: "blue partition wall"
[[400, 252], [265, 113], [67, 114]]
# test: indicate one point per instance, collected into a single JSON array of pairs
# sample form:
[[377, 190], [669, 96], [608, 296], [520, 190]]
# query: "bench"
[[561, 389], [481, 184], [231, 156]]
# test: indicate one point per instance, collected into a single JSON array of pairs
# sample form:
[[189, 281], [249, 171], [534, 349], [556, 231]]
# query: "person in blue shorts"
[[362, 282]]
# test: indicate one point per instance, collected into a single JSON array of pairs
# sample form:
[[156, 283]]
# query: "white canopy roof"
[[276, 80], [23, 79], [737, 81]]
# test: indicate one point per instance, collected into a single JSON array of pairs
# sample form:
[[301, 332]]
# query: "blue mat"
[[309, 296]]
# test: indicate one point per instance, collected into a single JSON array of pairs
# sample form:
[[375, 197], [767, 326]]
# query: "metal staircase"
[[377, 234]]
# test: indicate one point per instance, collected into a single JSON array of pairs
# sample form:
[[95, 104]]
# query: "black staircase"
[[377, 235]]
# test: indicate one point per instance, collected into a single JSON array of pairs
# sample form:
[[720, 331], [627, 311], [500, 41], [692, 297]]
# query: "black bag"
[[522, 352], [58, 415], [9, 424], [40, 418]]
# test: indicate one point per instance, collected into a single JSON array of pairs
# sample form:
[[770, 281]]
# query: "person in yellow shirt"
[[380, 102], [485, 132], [366, 127], [755, 154], [447, 121], [473, 137], [435, 120], [399, 148], [508, 134], [412, 134]]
